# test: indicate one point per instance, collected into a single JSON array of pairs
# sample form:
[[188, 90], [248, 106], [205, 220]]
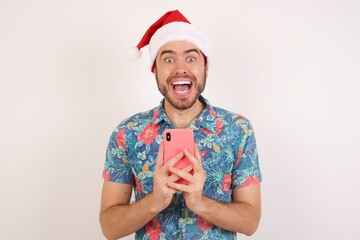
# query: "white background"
[[291, 67]]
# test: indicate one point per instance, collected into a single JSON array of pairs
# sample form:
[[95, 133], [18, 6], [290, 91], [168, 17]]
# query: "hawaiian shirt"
[[227, 146]]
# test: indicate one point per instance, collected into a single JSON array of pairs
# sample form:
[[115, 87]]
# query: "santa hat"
[[171, 26]]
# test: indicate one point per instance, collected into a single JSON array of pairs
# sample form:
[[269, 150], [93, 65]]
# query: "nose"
[[181, 72], [180, 68]]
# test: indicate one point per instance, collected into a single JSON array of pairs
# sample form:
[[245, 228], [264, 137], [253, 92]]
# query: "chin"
[[182, 105]]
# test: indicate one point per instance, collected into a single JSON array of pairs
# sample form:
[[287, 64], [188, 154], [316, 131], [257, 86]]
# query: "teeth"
[[181, 83]]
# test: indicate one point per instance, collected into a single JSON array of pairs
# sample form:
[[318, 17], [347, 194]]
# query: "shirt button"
[[179, 192], [181, 220]]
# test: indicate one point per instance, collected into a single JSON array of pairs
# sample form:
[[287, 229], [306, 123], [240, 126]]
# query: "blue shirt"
[[227, 146]]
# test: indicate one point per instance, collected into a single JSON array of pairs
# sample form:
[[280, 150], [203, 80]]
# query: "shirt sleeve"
[[246, 169], [117, 167]]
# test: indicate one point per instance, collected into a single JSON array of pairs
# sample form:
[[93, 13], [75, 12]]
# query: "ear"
[[154, 70]]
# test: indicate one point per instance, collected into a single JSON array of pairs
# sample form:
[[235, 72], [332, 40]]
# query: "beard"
[[188, 103]]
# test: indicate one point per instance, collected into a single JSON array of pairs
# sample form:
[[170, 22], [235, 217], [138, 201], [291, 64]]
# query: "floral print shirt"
[[227, 146]]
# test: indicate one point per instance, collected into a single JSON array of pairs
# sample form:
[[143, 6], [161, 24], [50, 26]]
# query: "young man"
[[223, 193]]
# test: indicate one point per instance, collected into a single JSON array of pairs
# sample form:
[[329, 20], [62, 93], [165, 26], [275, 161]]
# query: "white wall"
[[291, 67]]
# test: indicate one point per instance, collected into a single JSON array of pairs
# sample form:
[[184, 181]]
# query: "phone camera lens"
[[168, 136]]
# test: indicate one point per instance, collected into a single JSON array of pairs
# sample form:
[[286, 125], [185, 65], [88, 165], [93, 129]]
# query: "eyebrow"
[[166, 51], [192, 50], [186, 52]]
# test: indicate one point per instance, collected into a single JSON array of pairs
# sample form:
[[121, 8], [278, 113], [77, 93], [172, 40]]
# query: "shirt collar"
[[160, 115], [206, 119]]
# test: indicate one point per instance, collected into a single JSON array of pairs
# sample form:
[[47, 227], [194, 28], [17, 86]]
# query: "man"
[[223, 193]]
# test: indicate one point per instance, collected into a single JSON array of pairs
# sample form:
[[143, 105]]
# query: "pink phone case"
[[175, 140]]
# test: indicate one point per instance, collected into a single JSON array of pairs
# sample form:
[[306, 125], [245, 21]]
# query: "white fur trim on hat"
[[178, 31]]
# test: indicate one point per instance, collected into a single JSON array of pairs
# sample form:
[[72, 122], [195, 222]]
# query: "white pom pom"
[[134, 54]]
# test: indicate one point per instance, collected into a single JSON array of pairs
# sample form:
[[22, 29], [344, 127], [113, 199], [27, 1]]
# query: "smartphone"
[[175, 140]]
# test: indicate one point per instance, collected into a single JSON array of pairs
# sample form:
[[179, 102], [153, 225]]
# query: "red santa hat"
[[171, 26]]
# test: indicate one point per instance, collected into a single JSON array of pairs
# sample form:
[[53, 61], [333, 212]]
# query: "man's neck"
[[183, 118]]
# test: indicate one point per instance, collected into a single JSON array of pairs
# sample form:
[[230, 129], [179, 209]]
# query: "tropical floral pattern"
[[227, 146]]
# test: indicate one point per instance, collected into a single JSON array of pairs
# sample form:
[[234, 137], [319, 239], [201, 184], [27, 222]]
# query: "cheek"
[[160, 76], [163, 73], [199, 72]]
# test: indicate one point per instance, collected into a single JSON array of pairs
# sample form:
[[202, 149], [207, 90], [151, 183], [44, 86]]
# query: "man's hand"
[[193, 192], [162, 191]]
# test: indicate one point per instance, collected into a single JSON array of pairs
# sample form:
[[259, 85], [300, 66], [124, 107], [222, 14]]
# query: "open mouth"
[[181, 87]]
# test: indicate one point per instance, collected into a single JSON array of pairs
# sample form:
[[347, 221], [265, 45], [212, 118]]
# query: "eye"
[[191, 59], [168, 60]]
